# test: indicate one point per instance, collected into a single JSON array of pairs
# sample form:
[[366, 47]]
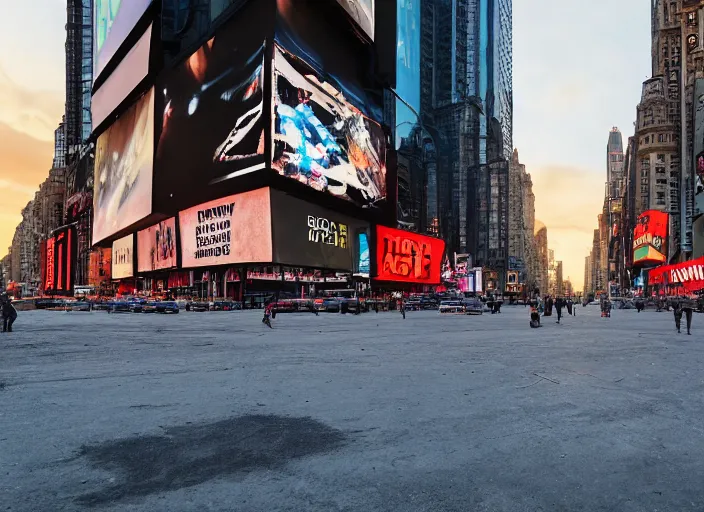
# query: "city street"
[[216, 412]]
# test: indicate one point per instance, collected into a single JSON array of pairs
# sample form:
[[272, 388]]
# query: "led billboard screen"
[[408, 257], [322, 140], [128, 74], [307, 235], [123, 170], [123, 257], [364, 261], [113, 22], [156, 247], [60, 262], [213, 115], [233, 229], [650, 237]]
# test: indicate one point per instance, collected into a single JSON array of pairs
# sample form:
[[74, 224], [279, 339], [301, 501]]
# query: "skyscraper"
[[79, 74], [466, 88]]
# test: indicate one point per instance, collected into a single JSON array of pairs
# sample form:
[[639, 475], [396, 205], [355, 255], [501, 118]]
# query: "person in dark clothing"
[[676, 307], [534, 318], [688, 309], [559, 304], [548, 306], [403, 308], [569, 307], [9, 313], [639, 306]]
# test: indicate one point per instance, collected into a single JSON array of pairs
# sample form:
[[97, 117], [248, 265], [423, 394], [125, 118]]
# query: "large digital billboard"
[[113, 22], [650, 237], [60, 262], [128, 74], [308, 235], [233, 229], [362, 12], [213, 115], [123, 257], [156, 246], [404, 256], [322, 140], [123, 170]]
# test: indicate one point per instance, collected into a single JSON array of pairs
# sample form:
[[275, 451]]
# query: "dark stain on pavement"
[[190, 455]]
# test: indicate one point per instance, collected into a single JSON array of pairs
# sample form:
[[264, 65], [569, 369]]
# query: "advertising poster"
[[156, 247], [308, 235], [127, 75], [213, 115], [233, 229], [322, 140], [364, 257], [650, 237], [60, 262], [123, 258], [408, 257], [113, 22], [123, 170]]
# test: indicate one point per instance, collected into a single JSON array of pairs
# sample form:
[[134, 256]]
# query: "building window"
[[692, 19]]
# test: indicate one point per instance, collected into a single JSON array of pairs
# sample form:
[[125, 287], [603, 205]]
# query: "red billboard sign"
[[650, 237], [407, 257], [60, 262], [688, 275]]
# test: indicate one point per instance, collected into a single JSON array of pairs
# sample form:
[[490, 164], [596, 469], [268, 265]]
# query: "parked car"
[[167, 306], [149, 307], [80, 305], [331, 306], [451, 306], [473, 306], [200, 306]]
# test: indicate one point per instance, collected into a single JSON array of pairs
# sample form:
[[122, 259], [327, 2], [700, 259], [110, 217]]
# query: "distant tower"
[[614, 162]]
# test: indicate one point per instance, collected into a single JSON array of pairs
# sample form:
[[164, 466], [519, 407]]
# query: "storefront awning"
[[688, 275]]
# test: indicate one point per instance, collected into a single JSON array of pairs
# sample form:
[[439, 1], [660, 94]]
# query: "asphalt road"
[[216, 412]]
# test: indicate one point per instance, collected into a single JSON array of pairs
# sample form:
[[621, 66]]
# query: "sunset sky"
[[572, 83]]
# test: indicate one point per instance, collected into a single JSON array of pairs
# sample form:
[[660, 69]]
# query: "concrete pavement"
[[216, 412]]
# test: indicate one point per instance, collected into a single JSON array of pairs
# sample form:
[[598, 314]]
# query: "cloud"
[[35, 113]]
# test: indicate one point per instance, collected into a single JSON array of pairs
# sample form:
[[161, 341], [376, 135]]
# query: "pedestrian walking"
[[403, 308], [559, 304], [9, 313], [677, 308], [267, 316], [569, 307], [687, 307]]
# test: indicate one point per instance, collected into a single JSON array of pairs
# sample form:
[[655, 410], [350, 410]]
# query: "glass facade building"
[[79, 73], [467, 95]]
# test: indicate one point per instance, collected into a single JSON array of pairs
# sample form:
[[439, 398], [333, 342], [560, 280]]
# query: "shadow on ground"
[[190, 455]]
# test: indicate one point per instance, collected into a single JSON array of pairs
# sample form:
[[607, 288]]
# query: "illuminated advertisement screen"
[[123, 170], [128, 74], [60, 262], [123, 257], [364, 261], [233, 229], [213, 123], [156, 246], [322, 140], [408, 257], [362, 12], [307, 235], [650, 237], [113, 22], [49, 282]]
